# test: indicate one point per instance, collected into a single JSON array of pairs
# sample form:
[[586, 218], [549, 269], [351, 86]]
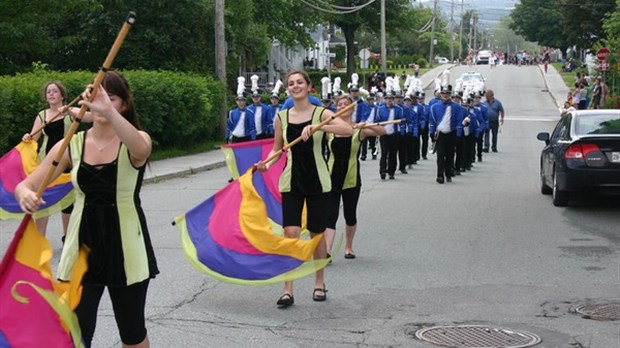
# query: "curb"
[[159, 178], [542, 72]]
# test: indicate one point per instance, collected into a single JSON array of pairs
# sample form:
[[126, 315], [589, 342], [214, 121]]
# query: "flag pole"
[[314, 129], [129, 21], [63, 110]]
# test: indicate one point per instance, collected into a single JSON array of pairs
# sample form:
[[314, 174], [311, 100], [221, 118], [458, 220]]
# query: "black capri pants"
[[316, 205], [350, 197], [128, 303]]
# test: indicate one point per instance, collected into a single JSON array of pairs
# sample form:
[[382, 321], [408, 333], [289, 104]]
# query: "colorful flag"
[[35, 310], [242, 156], [15, 166], [236, 235]]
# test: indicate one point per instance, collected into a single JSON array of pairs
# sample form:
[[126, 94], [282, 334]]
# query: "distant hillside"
[[490, 11]]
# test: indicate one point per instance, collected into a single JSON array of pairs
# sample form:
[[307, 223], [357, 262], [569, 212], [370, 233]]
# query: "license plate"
[[615, 157]]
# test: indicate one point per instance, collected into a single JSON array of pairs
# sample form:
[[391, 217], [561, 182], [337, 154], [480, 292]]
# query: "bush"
[[422, 62], [177, 109]]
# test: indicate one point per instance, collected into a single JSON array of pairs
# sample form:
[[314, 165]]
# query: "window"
[[597, 124]]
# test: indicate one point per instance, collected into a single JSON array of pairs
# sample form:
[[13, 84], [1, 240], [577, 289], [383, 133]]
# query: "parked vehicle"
[[441, 60], [581, 155]]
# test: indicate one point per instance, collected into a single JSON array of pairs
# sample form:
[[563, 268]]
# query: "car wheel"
[[544, 189], [560, 198]]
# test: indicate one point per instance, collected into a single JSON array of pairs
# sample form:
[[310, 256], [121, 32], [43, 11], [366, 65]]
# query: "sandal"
[[285, 300], [319, 298]]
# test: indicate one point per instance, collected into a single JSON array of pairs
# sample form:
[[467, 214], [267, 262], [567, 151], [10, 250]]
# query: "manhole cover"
[[477, 336], [601, 312]]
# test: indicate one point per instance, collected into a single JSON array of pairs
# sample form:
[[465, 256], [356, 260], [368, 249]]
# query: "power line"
[[337, 10]]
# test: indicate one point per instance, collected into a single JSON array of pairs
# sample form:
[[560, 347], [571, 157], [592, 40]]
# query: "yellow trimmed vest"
[[135, 259], [351, 177], [321, 165]]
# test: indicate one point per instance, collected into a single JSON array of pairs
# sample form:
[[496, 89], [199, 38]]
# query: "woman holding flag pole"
[[305, 178], [344, 167], [107, 163]]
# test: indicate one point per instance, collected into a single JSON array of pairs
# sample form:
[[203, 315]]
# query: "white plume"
[[396, 84], [276, 88], [325, 87], [363, 92], [389, 85], [445, 78], [336, 86], [254, 79], [437, 84], [240, 85], [374, 89], [354, 79]]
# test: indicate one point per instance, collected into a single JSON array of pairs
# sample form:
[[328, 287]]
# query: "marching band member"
[[445, 127], [344, 167], [389, 141], [240, 124]]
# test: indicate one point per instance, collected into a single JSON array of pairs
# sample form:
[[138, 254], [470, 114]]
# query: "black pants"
[[389, 150], [403, 152], [424, 140], [479, 145], [413, 151], [350, 198], [468, 151], [446, 143], [240, 139], [372, 144], [364, 148], [458, 153], [128, 304]]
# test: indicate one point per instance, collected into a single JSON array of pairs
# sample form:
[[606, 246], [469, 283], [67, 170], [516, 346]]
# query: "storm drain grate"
[[477, 336], [609, 311]]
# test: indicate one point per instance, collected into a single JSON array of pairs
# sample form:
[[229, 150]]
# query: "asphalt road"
[[487, 249]]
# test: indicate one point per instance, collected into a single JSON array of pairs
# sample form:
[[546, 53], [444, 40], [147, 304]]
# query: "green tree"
[[31, 30], [582, 21], [539, 21], [369, 18]]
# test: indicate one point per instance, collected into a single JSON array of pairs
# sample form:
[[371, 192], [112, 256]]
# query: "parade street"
[[486, 249]]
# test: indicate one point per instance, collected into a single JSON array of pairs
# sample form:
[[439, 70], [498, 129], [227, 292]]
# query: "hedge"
[[176, 109]]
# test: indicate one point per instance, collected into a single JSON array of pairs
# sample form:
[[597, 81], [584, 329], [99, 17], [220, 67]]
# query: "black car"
[[582, 154]]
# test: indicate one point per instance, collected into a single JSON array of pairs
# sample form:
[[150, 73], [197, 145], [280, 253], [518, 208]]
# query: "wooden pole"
[[131, 18]]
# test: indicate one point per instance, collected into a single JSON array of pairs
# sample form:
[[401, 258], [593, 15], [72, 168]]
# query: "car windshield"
[[471, 77], [597, 124]]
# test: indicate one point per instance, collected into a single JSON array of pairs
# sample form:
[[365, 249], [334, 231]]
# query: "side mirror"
[[543, 136]]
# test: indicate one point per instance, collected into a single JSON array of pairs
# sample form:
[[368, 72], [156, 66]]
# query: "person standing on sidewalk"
[[305, 178], [495, 111]]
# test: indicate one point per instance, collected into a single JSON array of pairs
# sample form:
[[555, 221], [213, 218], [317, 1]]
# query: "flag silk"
[[15, 166], [36, 311], [235, 235], [242, 156]]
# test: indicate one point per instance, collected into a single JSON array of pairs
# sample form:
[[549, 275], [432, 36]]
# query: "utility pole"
[[475, 31], [383, 44], [461, 34], [432, 50], [451, 31], [220, 59]]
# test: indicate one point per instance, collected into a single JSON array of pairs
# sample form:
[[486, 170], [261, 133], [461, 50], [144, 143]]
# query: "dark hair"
[[61, 87], [115, 84], [300, 72]]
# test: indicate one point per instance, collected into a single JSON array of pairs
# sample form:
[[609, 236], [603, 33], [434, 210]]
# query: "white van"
[[484, 56]]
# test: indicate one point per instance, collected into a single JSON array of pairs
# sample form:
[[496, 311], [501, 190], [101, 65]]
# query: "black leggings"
[[128, 303], [350, 197]]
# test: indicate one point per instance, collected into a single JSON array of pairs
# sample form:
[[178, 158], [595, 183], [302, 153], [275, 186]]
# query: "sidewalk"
[[200, 162], [555, 84]]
